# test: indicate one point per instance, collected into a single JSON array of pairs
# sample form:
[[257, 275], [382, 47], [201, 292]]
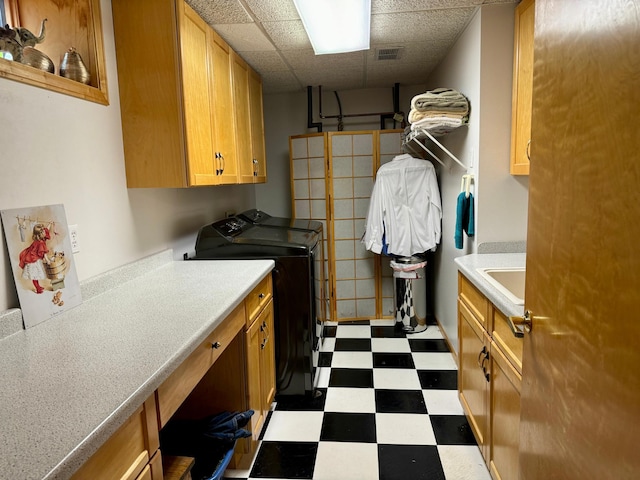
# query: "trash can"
[[410, 293]]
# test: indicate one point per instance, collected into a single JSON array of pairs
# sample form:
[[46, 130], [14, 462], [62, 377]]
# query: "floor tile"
[[428, 345], [439, 379], [328, 344], [322, 377], [349, 427], [395, 379], [352, 360], [346, 377], [353, 344], [285, 460], [463, 462], [346, 461], [395, 345], [432, 331], [301, 402], [387, 332], [324, 359], [442, 402], [353, 331], [398, 401], [329, 331], [383, 322], [393, 360], [294, 426], [452, 430], [360, 400], [434, 361], [404, 462], [404, 429]]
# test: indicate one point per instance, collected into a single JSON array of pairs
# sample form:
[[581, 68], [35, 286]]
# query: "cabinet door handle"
[[216, 345], [482, 352], [221, 163], [529, 150], [216, 162], [261, 296]]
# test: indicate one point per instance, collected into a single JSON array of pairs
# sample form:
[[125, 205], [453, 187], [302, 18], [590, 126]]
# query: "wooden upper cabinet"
[[222, 110], [522, 88], [257, 127], [70, 23], [184, 97], [240, 74], [201, 160]]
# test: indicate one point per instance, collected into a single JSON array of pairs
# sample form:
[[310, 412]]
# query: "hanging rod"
[[433, 139]]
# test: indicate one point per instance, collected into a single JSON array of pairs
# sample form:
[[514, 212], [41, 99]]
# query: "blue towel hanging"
[[464, 214]]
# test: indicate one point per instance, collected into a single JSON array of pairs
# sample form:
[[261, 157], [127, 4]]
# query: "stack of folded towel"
[[439, 111]]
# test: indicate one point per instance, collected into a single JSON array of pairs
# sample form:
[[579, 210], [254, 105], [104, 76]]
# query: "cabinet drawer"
[[183, 380], [258, 298], [475, 300], [128, 451], [510, 345]]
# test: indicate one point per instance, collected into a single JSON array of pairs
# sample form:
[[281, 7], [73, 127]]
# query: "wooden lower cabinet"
[[473, 384], [130, 452], [489, 380], [505, 416], [232, 370]]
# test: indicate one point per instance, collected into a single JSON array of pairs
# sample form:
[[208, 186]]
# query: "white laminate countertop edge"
[[66, 385], [468, 265]]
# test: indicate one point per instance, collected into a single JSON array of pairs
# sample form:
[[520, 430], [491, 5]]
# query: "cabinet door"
[[505, 416], [522, 88], [195, 93], [257, 128], [254, 341], [240, 75], [474, 374], [222, 111], [268, 359]]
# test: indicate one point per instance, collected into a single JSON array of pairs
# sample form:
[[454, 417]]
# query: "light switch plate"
[[73, 236]]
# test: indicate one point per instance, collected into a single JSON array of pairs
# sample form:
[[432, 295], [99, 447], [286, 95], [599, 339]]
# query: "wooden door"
[[222, 112], [195, 92], [581, 363]]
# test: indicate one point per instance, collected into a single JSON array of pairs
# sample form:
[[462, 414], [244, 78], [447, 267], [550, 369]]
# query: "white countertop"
[[469, 264], [69, 383]]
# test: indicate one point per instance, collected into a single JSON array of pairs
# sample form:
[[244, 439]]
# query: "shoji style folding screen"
[[332, 177]]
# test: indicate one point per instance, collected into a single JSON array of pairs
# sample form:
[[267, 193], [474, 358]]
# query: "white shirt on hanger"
[[405, 207]]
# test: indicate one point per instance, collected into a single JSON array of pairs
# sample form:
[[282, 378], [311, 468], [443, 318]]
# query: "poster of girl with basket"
[[42, 262]]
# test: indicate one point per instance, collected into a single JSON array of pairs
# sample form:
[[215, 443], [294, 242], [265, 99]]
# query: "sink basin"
[[509, 281]]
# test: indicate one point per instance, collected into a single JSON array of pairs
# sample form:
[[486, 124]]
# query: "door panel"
[[581, 381]]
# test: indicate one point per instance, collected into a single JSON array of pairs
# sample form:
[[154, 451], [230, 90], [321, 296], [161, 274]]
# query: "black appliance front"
[[297, 338]]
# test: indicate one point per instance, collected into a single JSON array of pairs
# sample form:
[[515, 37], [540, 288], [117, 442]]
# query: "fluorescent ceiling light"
[[336, 26]]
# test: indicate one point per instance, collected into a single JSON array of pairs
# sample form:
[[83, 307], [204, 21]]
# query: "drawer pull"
[[261, 296], [216, 345]]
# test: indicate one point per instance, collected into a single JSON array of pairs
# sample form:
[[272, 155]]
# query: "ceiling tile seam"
[[258, 23]]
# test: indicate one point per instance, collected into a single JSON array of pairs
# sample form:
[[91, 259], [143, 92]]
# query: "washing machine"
[[297, 324]]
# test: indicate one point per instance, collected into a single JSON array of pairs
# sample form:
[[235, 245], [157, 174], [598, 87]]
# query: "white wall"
[[480, 66], [59, 149]]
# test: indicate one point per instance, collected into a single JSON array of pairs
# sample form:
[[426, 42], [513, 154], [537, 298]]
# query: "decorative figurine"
[[13, 40]]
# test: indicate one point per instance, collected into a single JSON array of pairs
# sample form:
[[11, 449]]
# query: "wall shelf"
[[416, 138]]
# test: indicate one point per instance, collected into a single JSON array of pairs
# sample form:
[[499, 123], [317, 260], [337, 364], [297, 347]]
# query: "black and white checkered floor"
[[389, 410]]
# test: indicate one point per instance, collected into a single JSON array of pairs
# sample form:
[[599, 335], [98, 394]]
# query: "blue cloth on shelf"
[[464, 219]]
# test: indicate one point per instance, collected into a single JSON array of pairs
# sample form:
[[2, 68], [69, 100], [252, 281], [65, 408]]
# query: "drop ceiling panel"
[[269, 35]]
